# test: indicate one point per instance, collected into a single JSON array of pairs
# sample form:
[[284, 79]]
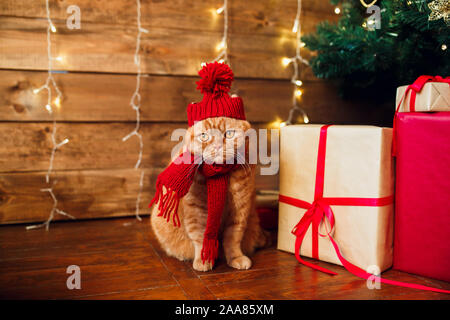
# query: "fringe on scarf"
[[210, 250], [167, 204]]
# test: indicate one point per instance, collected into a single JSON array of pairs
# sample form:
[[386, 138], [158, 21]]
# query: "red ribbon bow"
[[415, 87], [319, 213]]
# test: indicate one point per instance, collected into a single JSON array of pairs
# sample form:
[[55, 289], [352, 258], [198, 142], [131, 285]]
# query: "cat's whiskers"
[[245, 164]]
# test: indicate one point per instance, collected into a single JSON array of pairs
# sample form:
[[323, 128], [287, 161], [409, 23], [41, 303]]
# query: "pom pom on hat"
[[216, 78], [215, 83]]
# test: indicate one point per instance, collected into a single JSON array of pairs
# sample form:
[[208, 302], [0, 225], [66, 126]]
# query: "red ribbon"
[[415, 87], [319, 213]]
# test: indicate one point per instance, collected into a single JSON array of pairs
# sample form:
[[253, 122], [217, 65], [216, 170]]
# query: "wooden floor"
[[121, 259]]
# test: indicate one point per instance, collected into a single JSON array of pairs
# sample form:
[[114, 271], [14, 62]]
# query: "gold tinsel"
[[440, 9]]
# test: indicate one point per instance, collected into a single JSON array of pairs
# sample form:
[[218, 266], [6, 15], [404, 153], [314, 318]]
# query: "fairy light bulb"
[[202, 64], [302, 44], [52, 28], [444, 47], [305, 119], [220, 45], [283, 124], [57, 102], [221, 61], [298, 93], [298, 83], [220, 10], [59, 58], [36, 91], [337, 10], [49, 108], [295, 27], [286, 61]]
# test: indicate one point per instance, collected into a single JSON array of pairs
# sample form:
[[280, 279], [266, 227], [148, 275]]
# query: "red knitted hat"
[[215, 85]]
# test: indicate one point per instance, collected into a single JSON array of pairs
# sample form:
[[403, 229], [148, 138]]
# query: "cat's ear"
[[246, 125]]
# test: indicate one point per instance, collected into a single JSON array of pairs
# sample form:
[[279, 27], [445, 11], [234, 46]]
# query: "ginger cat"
[[217, 140]]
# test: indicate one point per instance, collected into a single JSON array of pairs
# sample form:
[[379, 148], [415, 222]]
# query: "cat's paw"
[[200, 266], [242, 263]]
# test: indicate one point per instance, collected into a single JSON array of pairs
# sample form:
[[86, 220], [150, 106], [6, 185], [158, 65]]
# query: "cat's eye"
[[203, 137], [229, 134]]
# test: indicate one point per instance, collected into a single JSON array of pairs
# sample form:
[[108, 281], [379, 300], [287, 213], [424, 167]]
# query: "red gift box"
[[422, 214]]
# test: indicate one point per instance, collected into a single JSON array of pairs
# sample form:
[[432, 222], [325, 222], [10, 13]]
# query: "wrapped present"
[[426, 94], [422, 217], [336, 191]]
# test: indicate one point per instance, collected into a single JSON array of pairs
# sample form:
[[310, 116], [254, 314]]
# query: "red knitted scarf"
[[177, 179]]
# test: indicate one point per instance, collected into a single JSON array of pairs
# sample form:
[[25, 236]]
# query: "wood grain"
[[104, 98], [245, 17], [121, 259], [27, 146], [84, 194], [98, 47]]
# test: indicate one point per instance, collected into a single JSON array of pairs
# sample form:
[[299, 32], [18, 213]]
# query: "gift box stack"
[[422, 206], [337, 189]]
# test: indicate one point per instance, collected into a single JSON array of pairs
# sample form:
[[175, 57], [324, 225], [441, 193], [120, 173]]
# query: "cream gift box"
[[358, 164], [434, 96]]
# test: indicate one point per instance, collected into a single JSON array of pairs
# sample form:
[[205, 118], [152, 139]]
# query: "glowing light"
[[221, 61], [276, 124], [295, 27], [47, 86], [286, 61], [305, 119], [202, 64], [57, 102], [296, 61], [59, 58], [220, 10], [220, 45], [337, 10], [444, 47]]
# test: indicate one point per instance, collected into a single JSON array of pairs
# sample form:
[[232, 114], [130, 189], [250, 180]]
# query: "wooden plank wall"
[[94, 171]]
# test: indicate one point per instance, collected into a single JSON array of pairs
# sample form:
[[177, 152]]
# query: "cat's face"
[[218, 140]]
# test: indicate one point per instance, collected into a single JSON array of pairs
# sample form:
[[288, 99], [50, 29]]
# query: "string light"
[[337, 10], [286, 61], [135, 104], [222, 46], [444, 47], [220, 10], [57, 102], [50, 82], [295, 61]]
